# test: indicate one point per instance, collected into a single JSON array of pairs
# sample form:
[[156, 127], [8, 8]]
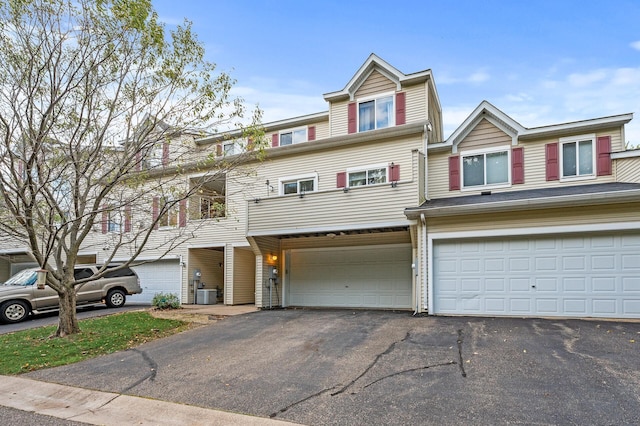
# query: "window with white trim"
[[369, 175], [486, 168], [290, 137], [115, 220], [298, 184], [376, 113], [578, 156]]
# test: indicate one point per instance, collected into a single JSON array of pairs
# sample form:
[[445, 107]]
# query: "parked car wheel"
[[14, 311], [116, 298]]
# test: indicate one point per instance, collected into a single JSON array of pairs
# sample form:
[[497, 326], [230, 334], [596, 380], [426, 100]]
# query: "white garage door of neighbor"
[[569, 276], [371, 277], [161, 276]]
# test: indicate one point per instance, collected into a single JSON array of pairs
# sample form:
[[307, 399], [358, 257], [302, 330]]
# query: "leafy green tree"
[[88, 91]]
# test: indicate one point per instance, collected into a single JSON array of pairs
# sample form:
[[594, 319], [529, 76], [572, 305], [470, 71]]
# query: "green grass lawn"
[[30, 350]]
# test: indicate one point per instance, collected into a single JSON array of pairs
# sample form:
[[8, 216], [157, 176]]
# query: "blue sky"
[[541, 62]]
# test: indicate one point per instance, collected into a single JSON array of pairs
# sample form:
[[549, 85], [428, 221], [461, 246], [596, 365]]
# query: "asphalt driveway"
[[360, 367]]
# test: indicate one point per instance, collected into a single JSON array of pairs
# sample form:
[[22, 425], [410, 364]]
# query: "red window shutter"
[[127, 219], [105, 220], [155, 211], [274, 140], [401, 116], [182, 213], [311, 133], [394, 172], [603, 155], [454, 173], [219, 150], [165, 153], [341, 180], [551, 161], [517, 165], [352, 122]]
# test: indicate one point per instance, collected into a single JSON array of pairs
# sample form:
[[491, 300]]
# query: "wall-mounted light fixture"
[[256, 200], [345, 189], [302, 194], [274, 257]]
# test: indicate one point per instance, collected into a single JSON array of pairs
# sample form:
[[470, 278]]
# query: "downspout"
[[182, 267], [424, 253], [427, 129]]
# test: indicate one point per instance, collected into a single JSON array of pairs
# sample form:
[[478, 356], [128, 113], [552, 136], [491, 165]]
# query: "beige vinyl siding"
[[484, 135], [601, 214], [328, 162], [358, 206], [435, 116], [627, 169], [208, 261], [262, 248], [339, 119], [322, 130], [244, 276], [534, 169], [374, 84], [416, 103]]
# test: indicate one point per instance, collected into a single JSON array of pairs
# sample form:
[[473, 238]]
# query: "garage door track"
[[365, 367]]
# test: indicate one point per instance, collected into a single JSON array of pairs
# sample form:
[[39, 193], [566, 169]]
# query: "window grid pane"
[[473, 170], [376, 176], [290, 188], [569, 159], [585, 157], [357, 178], [366, 115], [286, 138], [384, 112], [497, 167], [306, 185]]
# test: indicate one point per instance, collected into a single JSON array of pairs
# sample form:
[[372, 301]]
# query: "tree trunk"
[[68, 322]]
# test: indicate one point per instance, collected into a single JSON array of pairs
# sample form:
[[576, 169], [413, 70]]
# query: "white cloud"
[[586, 79], [635, 45]]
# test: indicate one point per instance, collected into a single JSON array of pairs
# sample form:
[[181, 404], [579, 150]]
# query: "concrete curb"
[[106, 408]]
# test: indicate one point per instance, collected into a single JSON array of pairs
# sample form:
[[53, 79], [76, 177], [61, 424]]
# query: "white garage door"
[[162, 276], [371, 277], [570, 276]]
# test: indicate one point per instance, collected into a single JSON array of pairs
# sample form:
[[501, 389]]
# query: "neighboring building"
[[366, 206]]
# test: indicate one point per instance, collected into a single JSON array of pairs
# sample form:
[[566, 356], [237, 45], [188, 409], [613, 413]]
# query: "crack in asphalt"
[[411, 370], [460, 363], [372, 364], [151, 375], [341, 390], [282, 410]]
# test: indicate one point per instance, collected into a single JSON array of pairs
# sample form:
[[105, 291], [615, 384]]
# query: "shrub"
[[166, 301]]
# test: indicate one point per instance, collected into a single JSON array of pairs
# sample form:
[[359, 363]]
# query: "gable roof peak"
[[373, 63]]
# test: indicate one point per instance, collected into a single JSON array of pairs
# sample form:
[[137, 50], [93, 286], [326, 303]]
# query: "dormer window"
[[486, 168], [377, 113]]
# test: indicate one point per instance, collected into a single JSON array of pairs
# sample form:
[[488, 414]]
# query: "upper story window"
[[114, 221], [578, 156], [289, 137], [376, 113], [169, 219], [209, 201], [232, 147], [486, 168], [298, 184], [370, 175]]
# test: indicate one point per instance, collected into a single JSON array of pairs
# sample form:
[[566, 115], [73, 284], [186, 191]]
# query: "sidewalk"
[[106, 408]]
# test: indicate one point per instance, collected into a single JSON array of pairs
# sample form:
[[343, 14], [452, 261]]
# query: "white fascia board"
[[625, 154], [528, 204], [577, 126], [329, 228]]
